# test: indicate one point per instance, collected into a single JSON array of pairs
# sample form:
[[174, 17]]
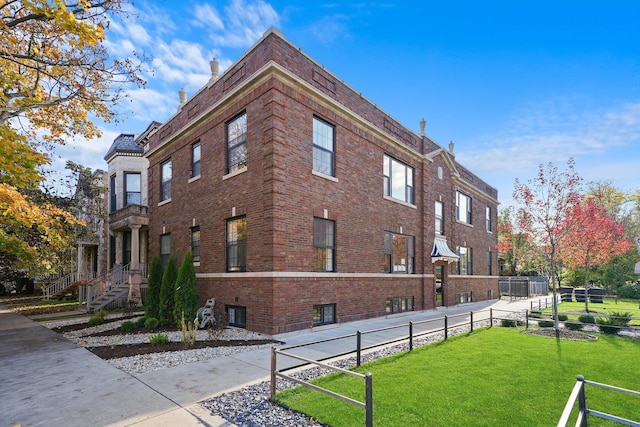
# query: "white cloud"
[[247, 22], [207, 17]]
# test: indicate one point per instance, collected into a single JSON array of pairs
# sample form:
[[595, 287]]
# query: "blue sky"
[[513, 83]]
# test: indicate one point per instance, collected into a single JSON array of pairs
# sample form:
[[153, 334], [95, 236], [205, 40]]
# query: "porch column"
[[119, 239], [79, 261], [135, 298]]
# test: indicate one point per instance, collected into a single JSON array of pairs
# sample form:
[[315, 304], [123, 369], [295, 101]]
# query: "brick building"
[[306, 204]]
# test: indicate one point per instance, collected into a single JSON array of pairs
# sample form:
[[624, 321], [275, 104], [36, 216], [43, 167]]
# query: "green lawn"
[[491, 377], [599, 309]]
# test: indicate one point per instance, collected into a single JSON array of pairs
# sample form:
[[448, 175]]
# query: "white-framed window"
[[463, 208], [132, 188], [323, 147], [489, 263], [165, 248], [195, 243], [398, 180], [237, 142]]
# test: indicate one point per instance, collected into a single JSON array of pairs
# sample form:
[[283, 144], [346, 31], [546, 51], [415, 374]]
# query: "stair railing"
[[59, 285], [100, 286]]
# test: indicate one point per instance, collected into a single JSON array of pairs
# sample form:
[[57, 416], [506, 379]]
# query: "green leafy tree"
[[154, 286], [167, 292], [186, 299]]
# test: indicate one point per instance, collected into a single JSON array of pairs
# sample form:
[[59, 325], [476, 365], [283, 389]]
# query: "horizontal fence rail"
[[578, 395], [368, 380]]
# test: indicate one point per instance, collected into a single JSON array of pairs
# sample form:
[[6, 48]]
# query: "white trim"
[[235, 173], [164, 202], [400, 202], [321, 175], [195, 178], [310, 274]]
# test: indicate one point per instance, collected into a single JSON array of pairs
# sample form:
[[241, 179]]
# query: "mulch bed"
[[564, 333], [116, 351]]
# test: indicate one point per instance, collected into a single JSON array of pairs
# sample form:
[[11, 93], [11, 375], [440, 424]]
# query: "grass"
[[29, 305], [490, 377], [599, 309]]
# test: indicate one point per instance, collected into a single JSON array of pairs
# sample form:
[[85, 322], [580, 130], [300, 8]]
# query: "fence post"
[[273, 371], [526, 319], [531, 305], [358, 346], [446, 325], [490, 317], [368, 380], [472, 321], [410, 336], [89, 297], [582, 402]]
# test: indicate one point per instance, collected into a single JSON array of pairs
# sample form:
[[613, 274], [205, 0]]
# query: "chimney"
[[215, 68], [183, 98], [451, 146], [423, 123]]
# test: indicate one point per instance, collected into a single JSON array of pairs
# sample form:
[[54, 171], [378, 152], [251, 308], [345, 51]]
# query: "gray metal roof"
[[124, 143]]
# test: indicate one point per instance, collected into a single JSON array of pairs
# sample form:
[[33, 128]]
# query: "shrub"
[[563, 317], [186, 299], [140, 322], [629, 291], [159, 339], [508, 323], [151, 323], [96, 320], [615, 321], [189, 331], [167, 291], [587, 318], [128, 325], [535, 314], [574, 326], [546, 323], [152, 301]]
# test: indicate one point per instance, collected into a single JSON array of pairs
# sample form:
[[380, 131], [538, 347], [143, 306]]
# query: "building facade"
[[305, 204]]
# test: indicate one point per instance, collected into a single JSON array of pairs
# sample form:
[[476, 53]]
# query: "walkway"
[[49, 381]]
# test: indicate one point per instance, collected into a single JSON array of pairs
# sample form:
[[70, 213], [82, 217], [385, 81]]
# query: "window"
[[398, 180], [237, 143], [195, 159], [463, 208], [237, 316], [323, 147], [113, 193], [464, 263], [165, 248], [488, 218], [399, 305], [195, 243], [324, 314], [398, 253], [236, 244], [464, 297], [132, 188], [439, 218], [489, 263], [324, 244], [165, 180]]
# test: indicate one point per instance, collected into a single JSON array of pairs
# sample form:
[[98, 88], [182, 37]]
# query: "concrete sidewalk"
[[49, 381]]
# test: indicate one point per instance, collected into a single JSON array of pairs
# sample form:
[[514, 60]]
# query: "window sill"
[[234, 173], [400, 202], [196, 263], [164, 202], [464, 223], [195, 178], [321, 175]]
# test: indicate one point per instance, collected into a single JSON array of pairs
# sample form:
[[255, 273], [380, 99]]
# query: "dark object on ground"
[[564, 333]]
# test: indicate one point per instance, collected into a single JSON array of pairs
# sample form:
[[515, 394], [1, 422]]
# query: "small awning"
[[441, 252]]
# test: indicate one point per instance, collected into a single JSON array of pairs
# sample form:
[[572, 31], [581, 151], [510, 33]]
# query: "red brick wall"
[[279, 196]]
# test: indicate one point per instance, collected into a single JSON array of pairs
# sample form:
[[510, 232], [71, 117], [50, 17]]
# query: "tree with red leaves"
[[592, 237], [544, 204]]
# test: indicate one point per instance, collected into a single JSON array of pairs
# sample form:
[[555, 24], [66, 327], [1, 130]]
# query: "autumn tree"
[[544, 204], [592, 237], [56, 77]]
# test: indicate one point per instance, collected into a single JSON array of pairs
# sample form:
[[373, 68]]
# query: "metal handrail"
[[101, 285], [60, 284], [578, 393]]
